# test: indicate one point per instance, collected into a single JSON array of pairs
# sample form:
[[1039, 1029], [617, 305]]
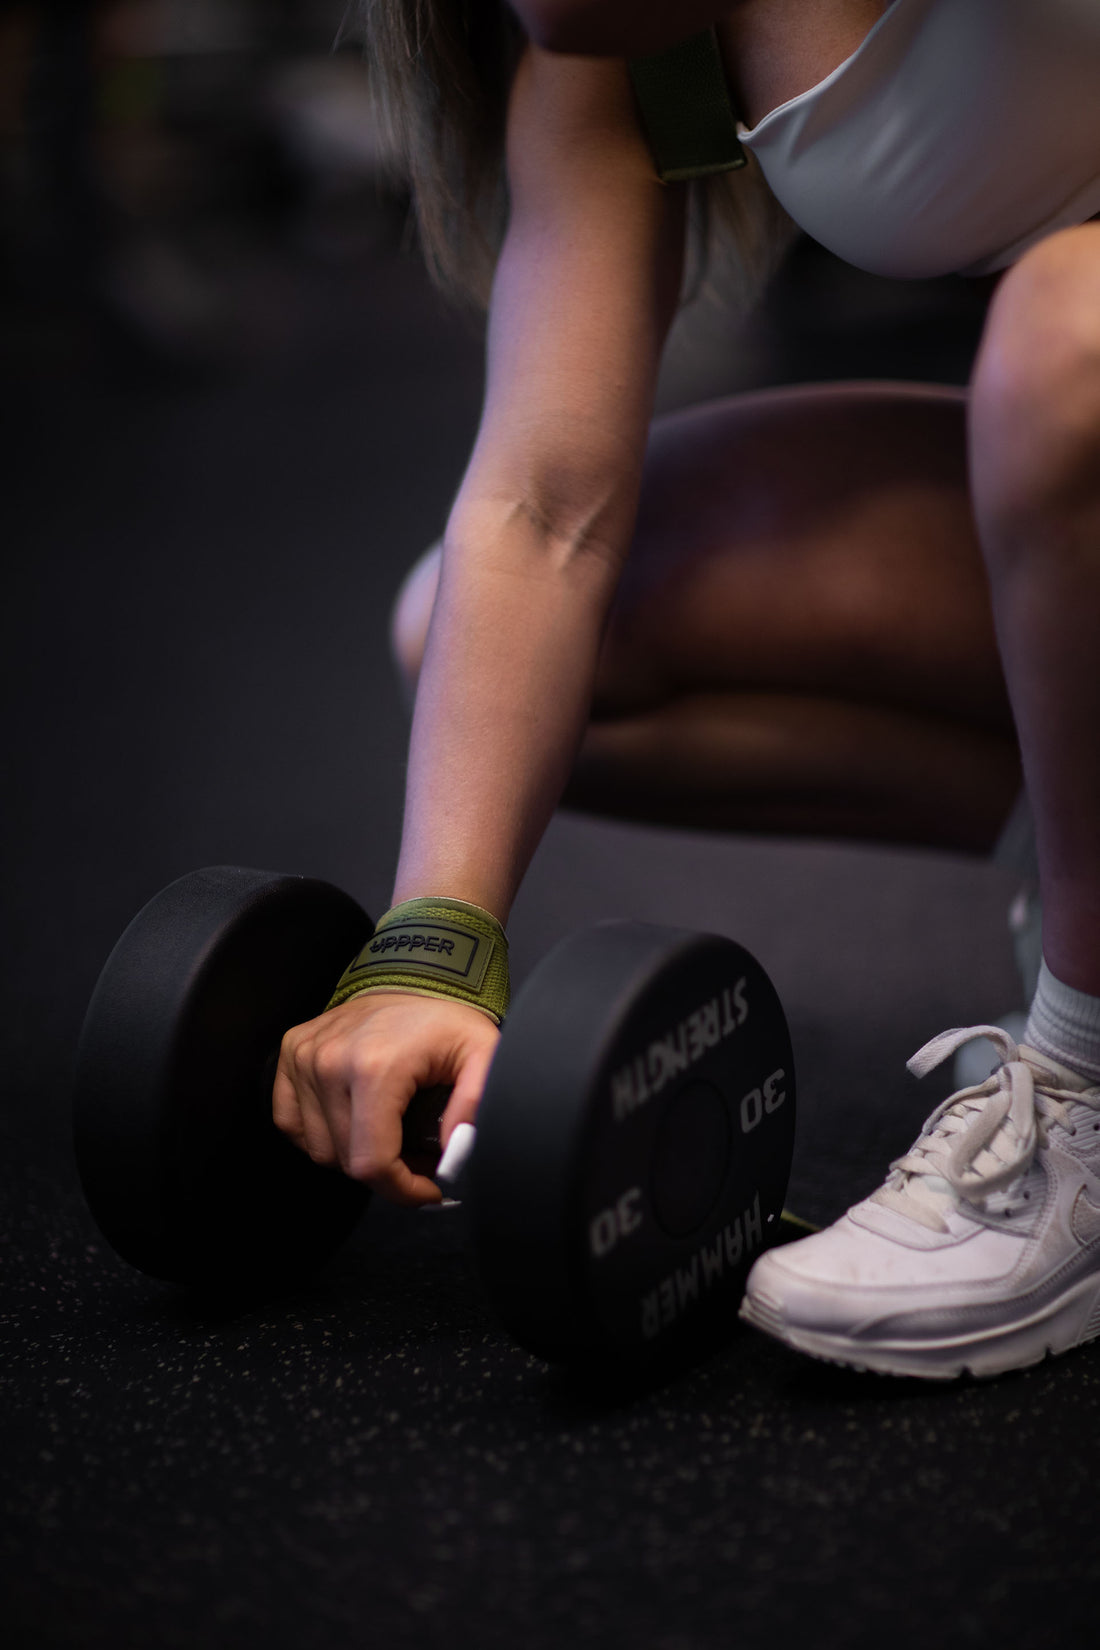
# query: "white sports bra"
[[957, 135]]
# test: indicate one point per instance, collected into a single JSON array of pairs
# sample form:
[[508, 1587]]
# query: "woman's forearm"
[[502, 703]]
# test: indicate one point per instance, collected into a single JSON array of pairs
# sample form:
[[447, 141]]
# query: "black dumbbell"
[[633, 1143]]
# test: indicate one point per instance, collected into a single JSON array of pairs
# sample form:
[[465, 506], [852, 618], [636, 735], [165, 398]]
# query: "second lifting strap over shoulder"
[[686, 109]]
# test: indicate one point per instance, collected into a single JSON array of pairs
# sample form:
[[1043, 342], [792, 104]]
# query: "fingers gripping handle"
[[421, 1144]]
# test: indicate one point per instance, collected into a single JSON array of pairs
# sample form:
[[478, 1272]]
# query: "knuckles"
[[328, 1063], [337, 1060]]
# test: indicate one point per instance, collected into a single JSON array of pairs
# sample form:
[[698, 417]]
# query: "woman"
[[839, 609]]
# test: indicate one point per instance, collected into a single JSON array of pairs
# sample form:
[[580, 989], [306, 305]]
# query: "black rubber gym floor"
[[198, 585]]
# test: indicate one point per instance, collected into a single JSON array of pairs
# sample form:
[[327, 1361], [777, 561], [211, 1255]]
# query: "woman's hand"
[[345, 1079]]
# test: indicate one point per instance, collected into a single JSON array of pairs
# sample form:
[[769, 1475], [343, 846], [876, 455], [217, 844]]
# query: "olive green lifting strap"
[[686, 110], [433, 947]]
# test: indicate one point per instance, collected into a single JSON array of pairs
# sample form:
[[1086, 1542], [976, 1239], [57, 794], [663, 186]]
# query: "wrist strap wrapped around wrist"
[[436, 948]]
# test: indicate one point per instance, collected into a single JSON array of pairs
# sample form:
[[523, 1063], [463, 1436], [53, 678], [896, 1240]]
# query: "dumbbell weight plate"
[[182, 1167], [634, 1141]]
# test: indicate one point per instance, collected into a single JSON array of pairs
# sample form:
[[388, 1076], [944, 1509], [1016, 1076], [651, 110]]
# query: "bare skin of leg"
[[1035, 457], [803, 640]]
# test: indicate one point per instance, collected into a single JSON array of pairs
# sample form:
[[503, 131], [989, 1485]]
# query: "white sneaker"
[[980, 1253]]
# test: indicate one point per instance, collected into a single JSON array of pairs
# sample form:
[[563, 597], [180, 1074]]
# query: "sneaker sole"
[[1070, 1321]]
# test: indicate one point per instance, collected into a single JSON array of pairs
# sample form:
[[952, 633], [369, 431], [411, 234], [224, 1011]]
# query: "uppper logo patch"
[[434, 947]]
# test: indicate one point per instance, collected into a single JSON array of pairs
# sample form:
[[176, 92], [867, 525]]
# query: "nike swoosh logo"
[[1085, 1219]]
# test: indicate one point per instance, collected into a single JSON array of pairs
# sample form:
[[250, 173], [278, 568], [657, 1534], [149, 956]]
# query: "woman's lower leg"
[[1036, 469]]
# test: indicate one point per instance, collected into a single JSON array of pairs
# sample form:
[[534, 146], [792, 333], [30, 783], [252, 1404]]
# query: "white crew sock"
[[1065, 1024]]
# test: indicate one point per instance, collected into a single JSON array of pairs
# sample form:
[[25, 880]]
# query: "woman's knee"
[[412, 613], [1035, 408]]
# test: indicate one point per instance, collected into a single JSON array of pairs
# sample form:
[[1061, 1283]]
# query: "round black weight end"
[[691, 1158], [634, 1142], [183, 1169]]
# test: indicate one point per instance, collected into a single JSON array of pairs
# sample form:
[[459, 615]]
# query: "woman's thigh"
[[815, 539]]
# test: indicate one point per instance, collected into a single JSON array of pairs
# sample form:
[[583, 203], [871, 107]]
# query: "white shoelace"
[[982, 1139]]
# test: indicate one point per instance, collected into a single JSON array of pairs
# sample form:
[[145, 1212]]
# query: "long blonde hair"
[[440, 73]]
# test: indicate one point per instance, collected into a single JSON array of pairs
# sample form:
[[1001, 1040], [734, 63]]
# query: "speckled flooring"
[[371, 1460]]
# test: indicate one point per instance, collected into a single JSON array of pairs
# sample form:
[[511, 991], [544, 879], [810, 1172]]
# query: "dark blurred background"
[[234, 412], [163, 159]]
